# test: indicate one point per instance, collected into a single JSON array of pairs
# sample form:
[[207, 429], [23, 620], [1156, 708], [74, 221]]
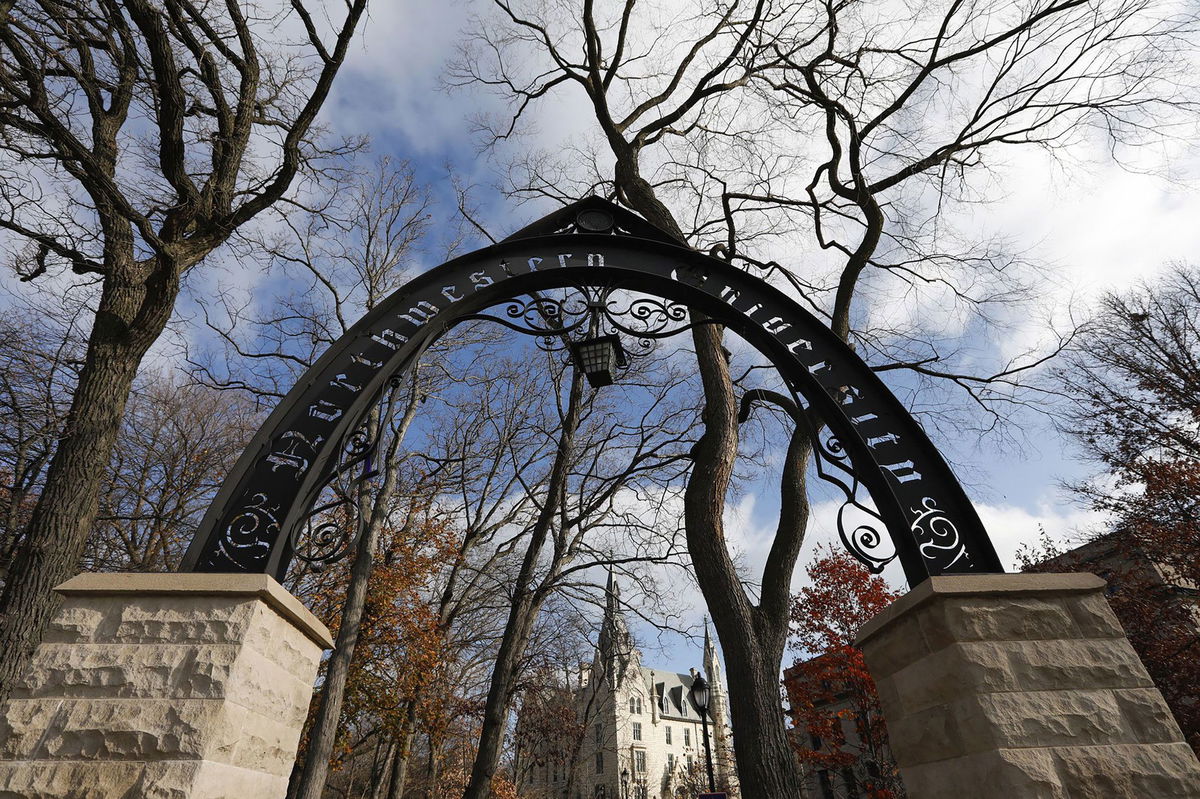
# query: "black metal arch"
[[871, 438]]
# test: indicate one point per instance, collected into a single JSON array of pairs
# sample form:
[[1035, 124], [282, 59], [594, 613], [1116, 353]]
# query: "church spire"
[[616, 645], [712, 664]]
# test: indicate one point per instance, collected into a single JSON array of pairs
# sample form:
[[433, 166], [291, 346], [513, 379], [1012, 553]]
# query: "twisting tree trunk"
[[77, 75], [752, 636]]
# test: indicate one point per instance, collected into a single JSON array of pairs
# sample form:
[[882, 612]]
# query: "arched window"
[[635, 705]]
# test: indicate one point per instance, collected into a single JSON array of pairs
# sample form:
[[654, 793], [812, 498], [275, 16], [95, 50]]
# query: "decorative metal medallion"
[[585, 273]]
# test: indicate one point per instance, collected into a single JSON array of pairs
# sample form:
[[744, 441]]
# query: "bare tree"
[[342, 252], [736, 125], [595, 463], [40, 357], [177, 442], [134, 139]]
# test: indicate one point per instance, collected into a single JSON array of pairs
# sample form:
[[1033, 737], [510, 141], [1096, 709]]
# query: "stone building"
[[623, 730], [859, 762]]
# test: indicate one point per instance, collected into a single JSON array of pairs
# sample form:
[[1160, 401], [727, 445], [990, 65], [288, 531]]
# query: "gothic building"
[[621, 730]]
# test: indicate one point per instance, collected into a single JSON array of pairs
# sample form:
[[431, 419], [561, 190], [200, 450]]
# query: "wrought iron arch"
[[868, 437]]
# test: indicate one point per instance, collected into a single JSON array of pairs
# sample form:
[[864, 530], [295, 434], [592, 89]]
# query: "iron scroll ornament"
[[253, 522]]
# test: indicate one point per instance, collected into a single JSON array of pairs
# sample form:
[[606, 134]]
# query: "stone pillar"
[[1021, 686], [189, 686]]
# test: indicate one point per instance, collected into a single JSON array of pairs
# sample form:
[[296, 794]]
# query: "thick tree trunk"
[[752, 637], [130, 318]]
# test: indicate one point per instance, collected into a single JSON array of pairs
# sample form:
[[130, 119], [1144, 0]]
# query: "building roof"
[[677, 690]]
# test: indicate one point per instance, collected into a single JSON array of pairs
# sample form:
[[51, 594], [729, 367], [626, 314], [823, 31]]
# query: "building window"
[[670, 762], [691, 763], [826, 784], [850, 781], [639, 761], [687, 737], [668, 734], [599, 736], [600, 761], [635, 705], [637, 731]]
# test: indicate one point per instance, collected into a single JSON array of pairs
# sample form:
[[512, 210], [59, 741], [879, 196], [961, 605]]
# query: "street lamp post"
[[700, 694]]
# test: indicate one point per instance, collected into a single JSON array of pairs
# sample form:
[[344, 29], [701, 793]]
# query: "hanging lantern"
[[599, 358]]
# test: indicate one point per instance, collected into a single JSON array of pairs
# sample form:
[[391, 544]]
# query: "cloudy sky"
[[1093, 225]]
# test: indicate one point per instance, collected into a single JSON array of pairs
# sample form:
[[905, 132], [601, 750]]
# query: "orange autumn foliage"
[[401, 648], [832, 693]]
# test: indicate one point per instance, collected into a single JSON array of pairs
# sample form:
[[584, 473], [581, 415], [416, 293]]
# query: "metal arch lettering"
[[250, 525]]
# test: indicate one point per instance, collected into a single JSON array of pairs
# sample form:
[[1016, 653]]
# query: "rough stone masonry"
[[167, 686], [1022, 686]]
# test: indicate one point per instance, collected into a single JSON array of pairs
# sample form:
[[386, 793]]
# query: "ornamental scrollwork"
[[864, 538], [937, 534], [862, 530], [331, 530], [254, 528], [555, 321]]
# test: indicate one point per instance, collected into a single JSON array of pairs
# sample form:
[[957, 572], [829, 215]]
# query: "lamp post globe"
[[700, 695]]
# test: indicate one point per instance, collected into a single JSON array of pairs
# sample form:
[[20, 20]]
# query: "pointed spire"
[[616, 644], [712, 665]]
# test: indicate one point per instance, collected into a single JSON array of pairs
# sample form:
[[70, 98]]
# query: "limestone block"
[[1162, 771], [983, 619], [1016, 774], [253, 741], [1004, 686], [1094, 617], [108, 729], [177, 779], [266, 687], [272, 637], [195, 671], [180, 686], [900, 644]]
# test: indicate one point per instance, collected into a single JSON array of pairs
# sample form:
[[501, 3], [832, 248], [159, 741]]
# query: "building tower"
[[723, 762], [637, 731]]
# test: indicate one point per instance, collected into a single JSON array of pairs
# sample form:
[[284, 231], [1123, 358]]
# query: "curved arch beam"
[[249, 526]]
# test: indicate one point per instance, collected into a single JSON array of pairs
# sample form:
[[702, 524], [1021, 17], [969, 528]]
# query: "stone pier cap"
[[977, 585], [261, 586]]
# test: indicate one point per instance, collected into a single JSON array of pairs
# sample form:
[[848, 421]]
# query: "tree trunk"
[[130, 318], [527, 601], [433, 770], [752, 637], [325, 726], [402, 752]]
